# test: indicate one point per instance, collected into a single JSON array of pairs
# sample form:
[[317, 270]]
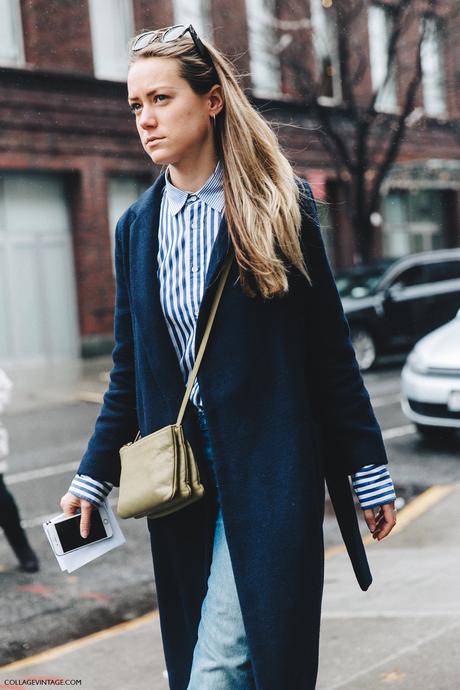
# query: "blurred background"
[[365, 99]]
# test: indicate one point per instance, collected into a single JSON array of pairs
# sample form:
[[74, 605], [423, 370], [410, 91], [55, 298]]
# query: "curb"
[[81, 642]]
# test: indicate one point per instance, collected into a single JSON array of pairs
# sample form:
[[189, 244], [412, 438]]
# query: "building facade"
[[71, 162]]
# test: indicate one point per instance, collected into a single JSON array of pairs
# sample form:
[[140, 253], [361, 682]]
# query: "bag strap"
[[204, 340]]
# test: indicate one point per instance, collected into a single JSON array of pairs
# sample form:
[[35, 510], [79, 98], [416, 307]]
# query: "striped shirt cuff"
[[373, 486], [90, 489]]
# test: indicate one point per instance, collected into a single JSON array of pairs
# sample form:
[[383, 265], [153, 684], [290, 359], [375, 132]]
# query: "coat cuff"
[[89, 489], [373, 486]]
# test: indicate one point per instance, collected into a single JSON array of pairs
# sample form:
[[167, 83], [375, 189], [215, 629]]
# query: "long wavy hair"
[[262, 197]]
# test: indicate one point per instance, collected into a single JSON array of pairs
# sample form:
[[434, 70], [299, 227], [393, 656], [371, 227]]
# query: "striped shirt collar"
[[212, 192]]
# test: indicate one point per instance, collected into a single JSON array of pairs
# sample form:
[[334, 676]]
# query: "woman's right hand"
[[70, 503]]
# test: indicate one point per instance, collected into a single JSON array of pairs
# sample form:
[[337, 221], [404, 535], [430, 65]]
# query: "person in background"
[[10, 520]]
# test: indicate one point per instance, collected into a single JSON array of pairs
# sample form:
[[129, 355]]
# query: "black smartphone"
[[65, 533]]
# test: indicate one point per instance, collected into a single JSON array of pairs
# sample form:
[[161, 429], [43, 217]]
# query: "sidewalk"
[[62, 381], [403, 632]]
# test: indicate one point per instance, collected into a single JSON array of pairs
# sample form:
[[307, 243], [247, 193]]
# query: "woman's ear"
[[216, 100]]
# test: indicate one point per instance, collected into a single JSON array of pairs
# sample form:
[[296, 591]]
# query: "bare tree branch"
[[362, 140], [398, 132]]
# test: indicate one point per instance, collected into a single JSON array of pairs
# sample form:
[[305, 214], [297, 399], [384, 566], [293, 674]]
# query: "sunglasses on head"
[[169, 34]]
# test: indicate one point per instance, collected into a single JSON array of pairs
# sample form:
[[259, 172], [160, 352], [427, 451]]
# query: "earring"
[[214, 121]]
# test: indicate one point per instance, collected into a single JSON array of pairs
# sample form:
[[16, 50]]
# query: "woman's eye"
[[137, 107]]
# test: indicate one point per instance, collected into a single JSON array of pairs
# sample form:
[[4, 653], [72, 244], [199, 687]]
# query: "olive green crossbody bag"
[[159, 473]]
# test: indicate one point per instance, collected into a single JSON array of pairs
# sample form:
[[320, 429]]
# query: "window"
[[11, 47], [196, 12], [413, 221], [415, 275], [112, 26], [326, 47], [359, 283], [443, 270], [380, 26], [434, 93], [264, 60]]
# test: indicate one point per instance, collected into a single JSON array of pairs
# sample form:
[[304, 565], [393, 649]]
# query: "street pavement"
[[403, 632]]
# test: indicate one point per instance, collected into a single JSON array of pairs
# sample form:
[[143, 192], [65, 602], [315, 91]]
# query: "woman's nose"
[[147, 120]]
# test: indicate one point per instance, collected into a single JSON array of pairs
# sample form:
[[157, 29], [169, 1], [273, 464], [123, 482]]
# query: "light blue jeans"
[[221, 656]]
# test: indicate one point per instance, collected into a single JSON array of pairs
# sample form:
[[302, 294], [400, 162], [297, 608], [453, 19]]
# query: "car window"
[[415, 275], [360, 284], [442, 270]]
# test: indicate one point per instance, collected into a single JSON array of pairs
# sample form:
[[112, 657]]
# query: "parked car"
[[392, 303], [430, 380]]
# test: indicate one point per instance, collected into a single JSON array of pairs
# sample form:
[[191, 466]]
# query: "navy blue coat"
[[286, 407]]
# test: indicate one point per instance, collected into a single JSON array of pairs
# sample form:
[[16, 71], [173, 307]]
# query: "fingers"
[[85, 522], [386, 520], [382, 522], [369, 516], [69, 506]]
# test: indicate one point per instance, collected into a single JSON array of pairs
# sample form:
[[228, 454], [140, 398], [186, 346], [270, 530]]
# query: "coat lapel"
[[145, 289], [147, 309]]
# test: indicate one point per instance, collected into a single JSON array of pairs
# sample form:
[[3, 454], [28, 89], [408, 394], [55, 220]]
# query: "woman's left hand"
[[381, 522]]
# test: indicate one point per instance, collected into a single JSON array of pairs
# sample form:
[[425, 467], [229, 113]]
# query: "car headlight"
[[416, 363]]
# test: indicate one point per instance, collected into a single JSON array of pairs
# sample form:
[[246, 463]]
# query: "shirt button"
[[192, 197], [195, 269]]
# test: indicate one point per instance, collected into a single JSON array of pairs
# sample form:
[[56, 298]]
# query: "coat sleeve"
[[350, 436], [90, 489], [117, 422]]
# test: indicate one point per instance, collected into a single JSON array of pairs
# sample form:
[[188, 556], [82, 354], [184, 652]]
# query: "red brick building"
[[71, 162]]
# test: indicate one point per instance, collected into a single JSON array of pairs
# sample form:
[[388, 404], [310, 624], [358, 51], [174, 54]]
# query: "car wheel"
[[364, 345]]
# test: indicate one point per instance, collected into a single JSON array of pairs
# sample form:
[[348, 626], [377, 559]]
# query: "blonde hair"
[[261, 193]]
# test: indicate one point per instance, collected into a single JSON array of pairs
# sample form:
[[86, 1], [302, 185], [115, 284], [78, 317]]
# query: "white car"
[[430, 380]]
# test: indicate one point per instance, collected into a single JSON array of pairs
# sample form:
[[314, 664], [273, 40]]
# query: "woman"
[[279, 402], [10, 520]]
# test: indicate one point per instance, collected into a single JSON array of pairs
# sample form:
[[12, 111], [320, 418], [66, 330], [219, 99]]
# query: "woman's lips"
[[152, 142]]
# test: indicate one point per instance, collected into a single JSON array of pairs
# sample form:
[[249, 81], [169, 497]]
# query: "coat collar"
[[146, 305]]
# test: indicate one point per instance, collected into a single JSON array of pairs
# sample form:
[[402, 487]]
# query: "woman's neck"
[[189, 177]]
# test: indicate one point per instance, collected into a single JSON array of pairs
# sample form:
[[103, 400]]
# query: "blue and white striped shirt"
[[189, 222], [188, 228]]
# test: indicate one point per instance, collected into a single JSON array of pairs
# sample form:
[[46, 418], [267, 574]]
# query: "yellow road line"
[[82, 642], [417, 507], [406, 515]]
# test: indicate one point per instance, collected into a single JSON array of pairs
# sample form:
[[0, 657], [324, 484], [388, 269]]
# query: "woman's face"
[[172, 120]]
